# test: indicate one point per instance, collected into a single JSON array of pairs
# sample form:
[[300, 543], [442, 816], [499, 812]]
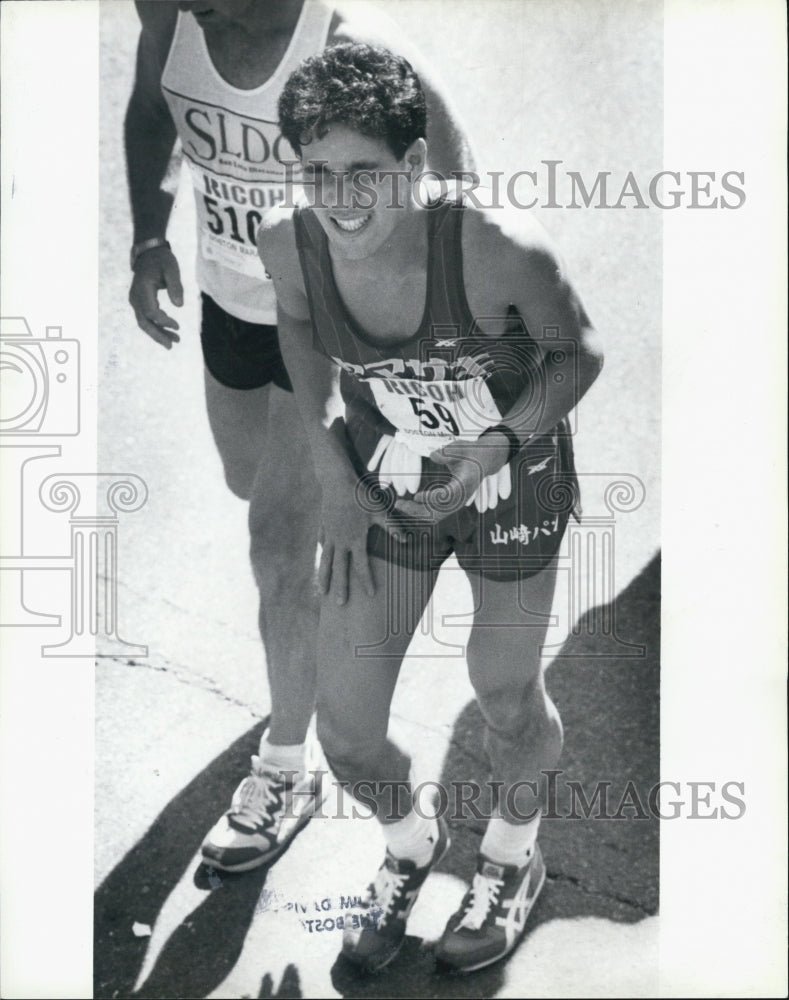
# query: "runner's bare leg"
[[266, 458]]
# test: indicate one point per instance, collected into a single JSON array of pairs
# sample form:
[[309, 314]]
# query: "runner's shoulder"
[[276, 241], [490, 225], [356, 22], [277, 229], [511, 235]]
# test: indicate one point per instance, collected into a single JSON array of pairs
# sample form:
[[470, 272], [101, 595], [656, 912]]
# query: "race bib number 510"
[[229, 214]]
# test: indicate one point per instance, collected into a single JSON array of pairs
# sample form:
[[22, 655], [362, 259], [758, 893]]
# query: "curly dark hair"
[[365, 87]]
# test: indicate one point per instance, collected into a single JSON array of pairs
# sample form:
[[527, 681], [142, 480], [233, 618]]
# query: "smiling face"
[[360, 192]]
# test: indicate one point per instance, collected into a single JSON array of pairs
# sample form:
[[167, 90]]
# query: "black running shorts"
[[239, 354], [516, 540]]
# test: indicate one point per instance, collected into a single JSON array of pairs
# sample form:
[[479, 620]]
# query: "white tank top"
[[239, 162]]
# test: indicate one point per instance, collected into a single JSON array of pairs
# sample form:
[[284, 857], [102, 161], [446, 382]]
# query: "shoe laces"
[[386, 892], [484, 895], [254, 797]]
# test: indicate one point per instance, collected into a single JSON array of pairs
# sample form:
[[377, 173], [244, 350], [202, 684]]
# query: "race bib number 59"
[[432, 414]]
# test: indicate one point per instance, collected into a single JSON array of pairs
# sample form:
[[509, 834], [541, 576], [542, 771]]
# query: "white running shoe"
[[266, 813], [375, 929], [492, 918]]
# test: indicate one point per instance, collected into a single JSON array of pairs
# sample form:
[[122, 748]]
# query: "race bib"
[[241, 168], [430, 415], [229, 214]]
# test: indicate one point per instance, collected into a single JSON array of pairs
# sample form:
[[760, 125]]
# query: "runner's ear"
[[416, 156]]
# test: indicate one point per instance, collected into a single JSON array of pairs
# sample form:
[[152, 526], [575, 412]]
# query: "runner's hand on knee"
[[343, 540], [155, 270]]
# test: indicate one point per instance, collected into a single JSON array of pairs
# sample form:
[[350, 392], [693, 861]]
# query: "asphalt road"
[[572, 82]]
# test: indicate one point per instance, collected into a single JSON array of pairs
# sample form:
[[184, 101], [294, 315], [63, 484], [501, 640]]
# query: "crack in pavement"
[[187, 612], [184, 675], [575, 881]]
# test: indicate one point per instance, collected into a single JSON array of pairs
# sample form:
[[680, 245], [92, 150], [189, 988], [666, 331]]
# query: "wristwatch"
[[513, 439], [140, 248]]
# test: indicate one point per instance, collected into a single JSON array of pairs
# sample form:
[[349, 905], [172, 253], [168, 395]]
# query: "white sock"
[[412, 838], [279, 757], [509, 843]]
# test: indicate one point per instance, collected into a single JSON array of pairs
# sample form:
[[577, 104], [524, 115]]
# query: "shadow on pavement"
[[597, 866], [289, 986], [197, 957]]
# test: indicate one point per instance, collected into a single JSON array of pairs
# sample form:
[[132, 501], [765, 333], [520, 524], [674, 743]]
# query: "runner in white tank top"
[[238, 161]]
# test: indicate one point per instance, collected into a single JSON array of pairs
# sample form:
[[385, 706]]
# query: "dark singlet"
[[449, 380]]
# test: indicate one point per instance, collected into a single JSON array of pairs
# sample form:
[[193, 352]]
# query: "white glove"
[[493, 488], [400, 467]]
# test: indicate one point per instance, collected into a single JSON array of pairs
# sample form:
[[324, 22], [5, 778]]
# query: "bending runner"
[[210, 73], [435, 317]]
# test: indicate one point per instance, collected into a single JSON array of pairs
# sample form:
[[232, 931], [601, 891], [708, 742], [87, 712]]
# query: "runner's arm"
[[149, 140], [511, 262], [530, 275], [149, 131], [315, 383]]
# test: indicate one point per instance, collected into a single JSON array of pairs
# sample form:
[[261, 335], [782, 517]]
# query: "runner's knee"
[[522, 719], [238, 423], [512, 701], [240, 477], [282, 544], [348, 748]]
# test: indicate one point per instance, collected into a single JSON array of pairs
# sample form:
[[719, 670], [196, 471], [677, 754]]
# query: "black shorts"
[[239, 354], [518, 539]]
